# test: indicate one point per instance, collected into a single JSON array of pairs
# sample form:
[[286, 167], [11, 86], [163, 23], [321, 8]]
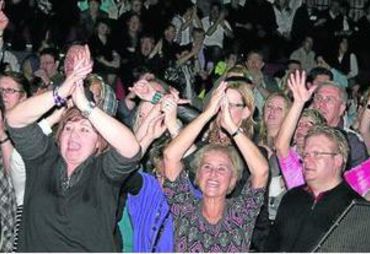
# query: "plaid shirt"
[[8, 208], [109, 101]]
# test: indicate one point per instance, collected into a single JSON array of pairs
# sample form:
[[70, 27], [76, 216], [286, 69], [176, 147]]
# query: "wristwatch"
[[87, 111]]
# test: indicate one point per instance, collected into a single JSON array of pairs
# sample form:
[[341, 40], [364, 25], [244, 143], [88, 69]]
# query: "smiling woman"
[[214, 223], [72, 184]]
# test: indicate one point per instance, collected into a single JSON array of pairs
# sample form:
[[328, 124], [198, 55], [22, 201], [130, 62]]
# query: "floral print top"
[[193, 233]]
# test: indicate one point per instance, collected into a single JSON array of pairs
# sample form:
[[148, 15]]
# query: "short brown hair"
[[72, 115]]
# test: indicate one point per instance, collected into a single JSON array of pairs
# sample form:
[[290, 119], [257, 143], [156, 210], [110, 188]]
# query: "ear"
[[342, 109], [246, 113], [338, 160]]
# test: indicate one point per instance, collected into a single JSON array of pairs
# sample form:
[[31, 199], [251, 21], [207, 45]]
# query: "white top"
[[217, 38], [182, 37], [18, 169]]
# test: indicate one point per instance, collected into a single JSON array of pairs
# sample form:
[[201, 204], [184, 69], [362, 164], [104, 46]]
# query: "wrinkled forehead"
[[329, 90]]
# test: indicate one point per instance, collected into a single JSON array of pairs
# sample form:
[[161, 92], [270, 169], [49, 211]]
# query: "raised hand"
[[4, 21], [143, 90], [169, 108], [156, 127], [82, 67], [140, 129], [217, 95], [175, 93], [297, 84], [226, 120]]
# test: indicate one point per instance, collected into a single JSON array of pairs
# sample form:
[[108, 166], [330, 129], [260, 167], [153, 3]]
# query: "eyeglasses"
[[9, 91], [317, 154], [327, 100], [236, 105]]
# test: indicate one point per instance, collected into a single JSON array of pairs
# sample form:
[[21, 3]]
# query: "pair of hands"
[[219, 104], [145, 90], [162, 117], [73, 85]]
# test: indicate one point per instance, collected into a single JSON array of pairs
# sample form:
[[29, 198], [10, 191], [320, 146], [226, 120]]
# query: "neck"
[[213, 209], [334, 123], [320, 187], [273, 130], [71, 168]]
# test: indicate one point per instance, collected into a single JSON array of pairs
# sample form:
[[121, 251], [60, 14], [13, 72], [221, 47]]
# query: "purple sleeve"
[[359, 178], [291, 169]]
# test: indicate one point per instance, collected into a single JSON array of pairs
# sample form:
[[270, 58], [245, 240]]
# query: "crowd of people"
[[181, 126]]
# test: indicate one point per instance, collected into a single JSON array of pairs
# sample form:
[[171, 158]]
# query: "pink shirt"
[[292, 170]]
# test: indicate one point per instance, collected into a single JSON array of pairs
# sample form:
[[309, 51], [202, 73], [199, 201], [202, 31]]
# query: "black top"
[[76, 215], [302, 221]]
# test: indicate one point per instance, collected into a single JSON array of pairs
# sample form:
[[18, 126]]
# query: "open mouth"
[[73, 146]]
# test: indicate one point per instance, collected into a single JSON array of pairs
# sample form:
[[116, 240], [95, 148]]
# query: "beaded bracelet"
[[58, 100], [156, 98]]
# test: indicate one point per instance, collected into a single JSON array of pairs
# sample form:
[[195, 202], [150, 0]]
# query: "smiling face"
[[274, 111], [11, 92], [78, 140], [215, 176]]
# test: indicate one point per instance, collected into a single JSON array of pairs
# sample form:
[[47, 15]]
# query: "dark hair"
[[20, 79], [319, 71], [50, 51], [293, 61]]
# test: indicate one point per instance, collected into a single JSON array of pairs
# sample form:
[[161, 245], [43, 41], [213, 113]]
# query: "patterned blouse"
[[192, 231]]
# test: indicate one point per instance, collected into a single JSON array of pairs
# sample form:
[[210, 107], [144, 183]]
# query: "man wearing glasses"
[[330, 100], [307, 212]]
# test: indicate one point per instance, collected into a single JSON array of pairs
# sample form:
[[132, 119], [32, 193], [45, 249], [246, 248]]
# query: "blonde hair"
[[263, 129], [247, 124], [335, 136], [230, 151]]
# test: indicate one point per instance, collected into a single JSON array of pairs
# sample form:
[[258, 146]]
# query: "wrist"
[[59, 100], [87, 109], [237, 132], [4, 140]]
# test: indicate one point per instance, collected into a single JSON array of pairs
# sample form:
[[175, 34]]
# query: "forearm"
[[145, 142], [257, 163], [365, 127], [287, 129], [185, 58], [6, 151], [30, 110], [117, 135], [181, 143]]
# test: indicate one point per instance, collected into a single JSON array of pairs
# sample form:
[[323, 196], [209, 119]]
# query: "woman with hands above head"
[[73, 182], [214, 223]]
